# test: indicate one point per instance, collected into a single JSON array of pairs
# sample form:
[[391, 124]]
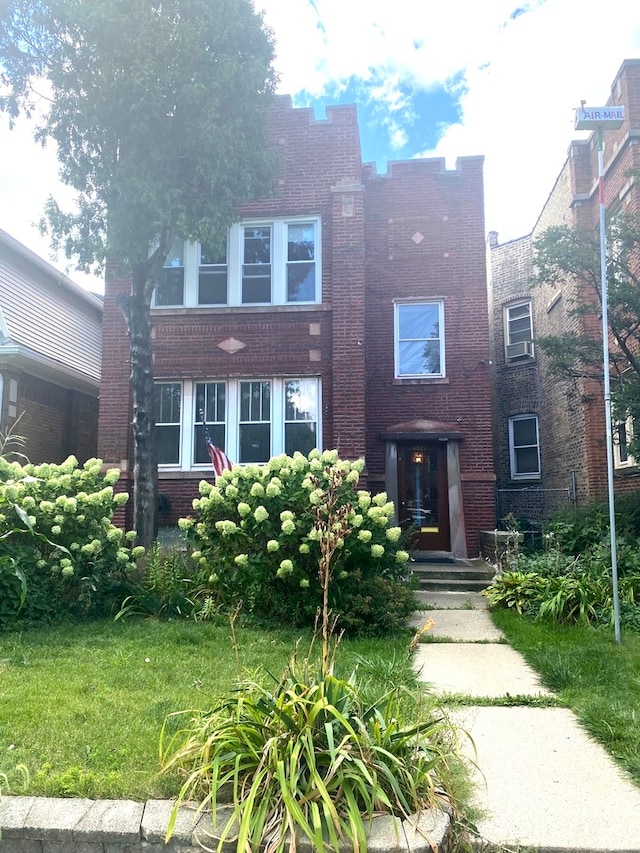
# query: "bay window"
[[300, 416], [210, 409], [250, 419], [272, 262]]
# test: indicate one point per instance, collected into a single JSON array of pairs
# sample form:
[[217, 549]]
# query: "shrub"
[[55, 528], [255, 532], [577, 529], [565, 588]]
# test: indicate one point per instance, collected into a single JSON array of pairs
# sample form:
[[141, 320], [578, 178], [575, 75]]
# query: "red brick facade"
[[371, 257], [571, 414]]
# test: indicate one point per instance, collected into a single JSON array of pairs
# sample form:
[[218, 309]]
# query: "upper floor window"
[[212, 277], [622, 436], [419, 340], [518, 331], [524, 447], [250, 419], [263, 263], [170, 289]]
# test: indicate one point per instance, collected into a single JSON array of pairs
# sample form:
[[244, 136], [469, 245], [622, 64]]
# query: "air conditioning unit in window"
[[523, 349]]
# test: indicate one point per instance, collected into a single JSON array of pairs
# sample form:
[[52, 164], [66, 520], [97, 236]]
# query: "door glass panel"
[[421, 484]]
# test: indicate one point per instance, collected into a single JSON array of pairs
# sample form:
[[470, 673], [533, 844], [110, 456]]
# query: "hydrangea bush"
[[55, 527], [254, 532]]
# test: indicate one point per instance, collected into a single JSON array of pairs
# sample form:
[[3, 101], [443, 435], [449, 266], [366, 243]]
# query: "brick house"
[[549, 435], [349, 312], [50, 352]]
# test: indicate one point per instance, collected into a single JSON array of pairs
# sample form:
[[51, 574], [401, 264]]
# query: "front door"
[[423, 495]]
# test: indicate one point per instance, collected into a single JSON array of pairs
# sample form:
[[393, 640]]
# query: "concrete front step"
[[453, 576], [435, 585]]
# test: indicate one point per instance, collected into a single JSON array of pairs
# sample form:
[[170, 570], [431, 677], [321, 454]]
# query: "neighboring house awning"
[[49, 326], [423, 430], [17, 357]]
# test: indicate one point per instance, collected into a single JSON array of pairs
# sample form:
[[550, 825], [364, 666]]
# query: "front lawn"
[[597, 678], [82, 705]]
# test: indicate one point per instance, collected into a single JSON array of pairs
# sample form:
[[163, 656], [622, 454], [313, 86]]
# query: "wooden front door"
[[423, 495]]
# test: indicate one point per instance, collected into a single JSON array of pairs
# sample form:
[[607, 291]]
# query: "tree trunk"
[[145, 467]]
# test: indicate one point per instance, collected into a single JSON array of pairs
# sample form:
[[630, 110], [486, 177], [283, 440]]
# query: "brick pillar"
[[348, 308]]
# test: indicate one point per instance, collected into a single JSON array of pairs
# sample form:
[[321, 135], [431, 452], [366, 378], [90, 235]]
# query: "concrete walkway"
[[541, 782]]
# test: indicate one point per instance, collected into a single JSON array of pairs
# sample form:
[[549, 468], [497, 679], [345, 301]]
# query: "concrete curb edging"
[[60, 825]]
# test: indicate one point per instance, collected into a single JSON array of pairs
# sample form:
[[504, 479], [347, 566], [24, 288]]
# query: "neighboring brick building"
[[549, 435], [349, 312], [50, 337]]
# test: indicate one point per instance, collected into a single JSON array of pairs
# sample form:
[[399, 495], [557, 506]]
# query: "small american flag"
[[219, 458]]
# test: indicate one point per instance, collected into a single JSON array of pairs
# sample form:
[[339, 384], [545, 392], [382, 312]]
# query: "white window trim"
[[630, 461], [232, 417], [396, 340], [512, 450], [510, 359], [235, 257]]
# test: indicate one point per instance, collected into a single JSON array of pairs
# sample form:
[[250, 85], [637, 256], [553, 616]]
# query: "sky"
[[495, 78]]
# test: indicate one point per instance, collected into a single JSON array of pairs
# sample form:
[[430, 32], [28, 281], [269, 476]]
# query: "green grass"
[[81, 706], [590, 673]]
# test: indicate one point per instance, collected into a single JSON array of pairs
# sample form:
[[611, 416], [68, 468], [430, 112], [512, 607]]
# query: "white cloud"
[[519, 110], [521, 69]]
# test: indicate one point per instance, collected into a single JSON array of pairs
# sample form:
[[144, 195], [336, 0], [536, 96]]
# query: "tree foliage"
[[566, 254], [158, 111]]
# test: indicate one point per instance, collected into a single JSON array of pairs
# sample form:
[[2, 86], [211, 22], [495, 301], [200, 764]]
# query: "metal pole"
[[607, 388]]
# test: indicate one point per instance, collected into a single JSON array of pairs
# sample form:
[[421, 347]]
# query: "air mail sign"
[[590, 118]]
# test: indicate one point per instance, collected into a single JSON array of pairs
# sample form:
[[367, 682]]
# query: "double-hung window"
[[210, 411], [250, 419], [518, 331], [170, 289], [212, 276], [270, 262], [256, 266], [300, 415], [524, 447], [167, 404], [255, 421], [622, 436], [419, 340], [301, 262]]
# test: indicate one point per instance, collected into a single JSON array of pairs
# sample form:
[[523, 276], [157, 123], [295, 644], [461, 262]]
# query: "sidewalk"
[[541, 781]]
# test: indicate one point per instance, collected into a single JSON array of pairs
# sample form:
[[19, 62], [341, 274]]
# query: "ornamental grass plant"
[[314, 756]]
